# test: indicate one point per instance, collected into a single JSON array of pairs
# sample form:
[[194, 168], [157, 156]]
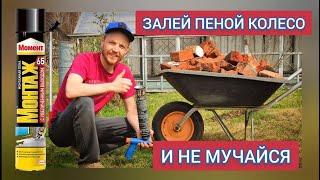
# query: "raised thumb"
[[121, 74]]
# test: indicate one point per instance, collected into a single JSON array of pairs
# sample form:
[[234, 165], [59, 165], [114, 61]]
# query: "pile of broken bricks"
[[208, 57]]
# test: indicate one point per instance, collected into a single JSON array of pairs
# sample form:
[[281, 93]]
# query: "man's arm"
[[132, 114], [76, 88]]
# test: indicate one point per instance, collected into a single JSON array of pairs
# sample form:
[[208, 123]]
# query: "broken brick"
[[227, 66], [251, 60], [209, 64], [208, 57], [165, 66], [234, 57], [175, 68], [197, 50], [264, 65], [168, 65], [246, 69], [266, 73], [194, 61], [232, 72], [208, 47], [245, 57], [187, 66], [215, 53], [183, 55], [183, 65], [194, 68], [219, 58]]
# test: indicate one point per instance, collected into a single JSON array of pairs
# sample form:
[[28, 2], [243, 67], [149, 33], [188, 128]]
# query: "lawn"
[[281, 122]]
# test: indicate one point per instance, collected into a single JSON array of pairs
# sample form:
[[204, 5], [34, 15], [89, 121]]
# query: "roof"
[[93, 23]]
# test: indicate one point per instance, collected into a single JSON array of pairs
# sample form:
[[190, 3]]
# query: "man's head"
[[116, 41]]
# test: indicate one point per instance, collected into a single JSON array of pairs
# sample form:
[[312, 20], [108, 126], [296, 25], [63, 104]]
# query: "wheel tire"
[[168, 115]]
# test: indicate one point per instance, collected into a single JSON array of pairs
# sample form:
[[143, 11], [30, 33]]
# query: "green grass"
[[281, 122]]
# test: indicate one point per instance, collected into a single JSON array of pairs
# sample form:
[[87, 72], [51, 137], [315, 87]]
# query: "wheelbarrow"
[[181, 121]]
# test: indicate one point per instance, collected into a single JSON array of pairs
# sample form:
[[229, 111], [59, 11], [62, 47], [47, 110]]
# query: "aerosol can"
[[30, 105]]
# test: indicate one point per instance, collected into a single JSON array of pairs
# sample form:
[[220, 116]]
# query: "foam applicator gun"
[[133, 146], [143, 118]]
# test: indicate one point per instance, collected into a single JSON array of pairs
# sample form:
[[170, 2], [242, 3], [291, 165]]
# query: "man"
[[91, 82]]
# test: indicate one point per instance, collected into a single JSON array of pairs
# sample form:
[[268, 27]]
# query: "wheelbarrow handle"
[[294, 74]]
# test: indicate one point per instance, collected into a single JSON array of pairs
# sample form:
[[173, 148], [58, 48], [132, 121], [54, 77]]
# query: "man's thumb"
[[121, 74]]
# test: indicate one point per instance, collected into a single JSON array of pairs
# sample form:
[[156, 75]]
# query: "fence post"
[[79, 45], [298, 67], [144, 63], [161, 77], [281, 43], [246, 46], [178, 44]]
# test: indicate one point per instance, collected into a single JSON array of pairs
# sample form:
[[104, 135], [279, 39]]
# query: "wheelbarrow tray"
[[207, 89]]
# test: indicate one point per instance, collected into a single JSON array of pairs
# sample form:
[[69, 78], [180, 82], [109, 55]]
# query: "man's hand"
[[150, 144], [120, 84]]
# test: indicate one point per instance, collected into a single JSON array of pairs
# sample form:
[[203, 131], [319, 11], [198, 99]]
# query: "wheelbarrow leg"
[[247, 117], [246, 120], [252, 127], [223, 126]]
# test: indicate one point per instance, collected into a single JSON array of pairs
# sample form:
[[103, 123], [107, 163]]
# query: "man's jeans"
[[78, 126]]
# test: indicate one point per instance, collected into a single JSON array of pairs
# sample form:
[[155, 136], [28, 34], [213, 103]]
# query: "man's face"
[[115, 46]]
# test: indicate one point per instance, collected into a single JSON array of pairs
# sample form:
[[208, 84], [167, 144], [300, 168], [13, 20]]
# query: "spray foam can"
[[30, 151]]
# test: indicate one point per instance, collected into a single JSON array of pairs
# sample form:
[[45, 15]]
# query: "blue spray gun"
[[143, 125]]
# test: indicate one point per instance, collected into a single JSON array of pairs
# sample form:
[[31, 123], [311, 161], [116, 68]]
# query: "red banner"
[[223, 23], [226, 155]]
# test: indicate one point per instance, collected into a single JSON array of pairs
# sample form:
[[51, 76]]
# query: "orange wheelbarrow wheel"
[[165, 122]]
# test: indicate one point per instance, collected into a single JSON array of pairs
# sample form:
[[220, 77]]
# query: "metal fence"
[[146, 66], [148, 52]]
